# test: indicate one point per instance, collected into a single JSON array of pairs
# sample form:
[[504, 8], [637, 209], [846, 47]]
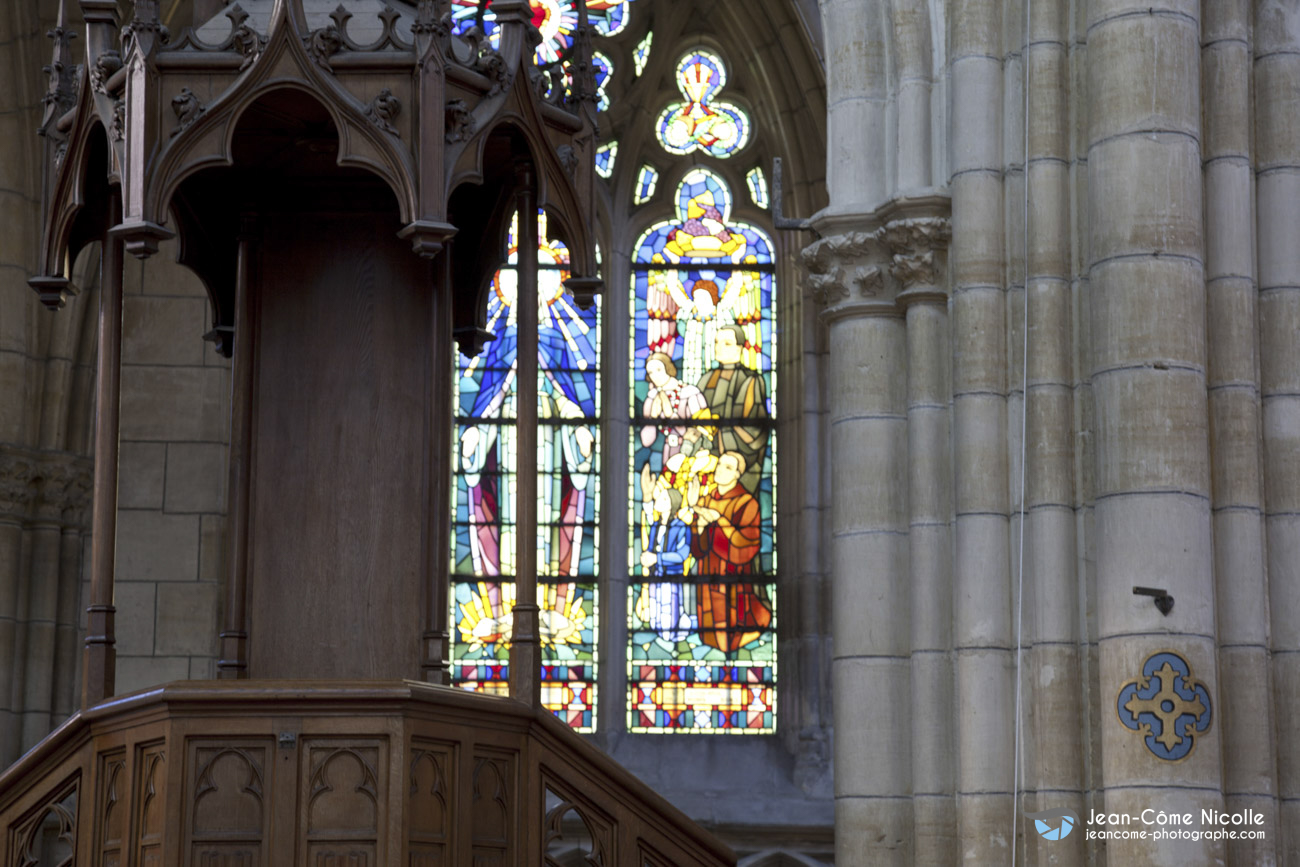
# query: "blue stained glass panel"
[[757, 186], [647, 179], [605, 156], [568, 491]]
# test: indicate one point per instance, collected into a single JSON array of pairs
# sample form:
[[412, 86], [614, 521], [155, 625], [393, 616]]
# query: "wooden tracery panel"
[[49, 835], [113, 809], [228, 808], [343, 801], [430, 803], [493, 809]]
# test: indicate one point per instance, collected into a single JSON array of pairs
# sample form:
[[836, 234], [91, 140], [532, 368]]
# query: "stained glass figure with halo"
[[701, 606], [483, 539]]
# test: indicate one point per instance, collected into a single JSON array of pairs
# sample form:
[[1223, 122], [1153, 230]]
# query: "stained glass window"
[[555, 19], [702, 123], [702, 597], [604, 71], [641, 54], [605, 156], [483, 537], [646, 180], [757, 186]]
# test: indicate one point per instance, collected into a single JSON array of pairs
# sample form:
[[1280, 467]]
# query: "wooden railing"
[[332, 774]]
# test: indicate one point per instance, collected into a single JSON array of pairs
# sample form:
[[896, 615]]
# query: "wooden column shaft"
[[525, 650], [234, 636], [435, 653], [99, 668]]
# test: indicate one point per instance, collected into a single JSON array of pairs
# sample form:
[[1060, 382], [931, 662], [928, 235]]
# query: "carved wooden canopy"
[[444, 120]]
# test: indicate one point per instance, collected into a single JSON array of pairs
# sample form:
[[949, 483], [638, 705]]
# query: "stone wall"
[[172, 493]]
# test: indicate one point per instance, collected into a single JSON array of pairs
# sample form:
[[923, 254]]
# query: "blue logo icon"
[[1054, 824]]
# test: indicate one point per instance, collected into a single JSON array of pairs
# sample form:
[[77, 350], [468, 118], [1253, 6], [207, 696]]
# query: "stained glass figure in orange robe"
[[727, 539]]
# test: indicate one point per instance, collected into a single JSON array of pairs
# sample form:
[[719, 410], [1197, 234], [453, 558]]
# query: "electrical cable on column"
[[1017, 767]]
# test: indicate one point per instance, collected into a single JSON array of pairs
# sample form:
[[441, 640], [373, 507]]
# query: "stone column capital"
[[16, 489], [877, 264], [919, 246], [47, 487], [846, 276]]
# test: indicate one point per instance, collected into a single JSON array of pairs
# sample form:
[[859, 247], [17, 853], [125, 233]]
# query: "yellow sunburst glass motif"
[[488, 617]]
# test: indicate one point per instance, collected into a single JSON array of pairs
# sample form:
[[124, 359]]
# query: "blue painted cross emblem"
[[1166, 705]]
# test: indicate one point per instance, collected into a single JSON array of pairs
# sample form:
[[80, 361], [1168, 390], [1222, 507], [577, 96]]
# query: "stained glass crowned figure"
[[483, 538], [702, 598], [702, 122]]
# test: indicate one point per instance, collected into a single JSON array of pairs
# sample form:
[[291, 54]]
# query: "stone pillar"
[[42, 612], [920, 265], [66, 696], [1095, 706], [1241, 591], [856, 104], [16, 472], [1053, 706], [866, 382], [1148, 339], [914, 61], [1277, 168], [982, 626], [870, 667]]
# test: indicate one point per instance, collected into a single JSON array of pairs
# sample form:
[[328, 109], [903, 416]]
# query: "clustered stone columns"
[[1053, 746], [44, 504], [885, 310], [983, 628], [870, 668], [1149, 381], [919, 248], [1241, 590], [856, 101], [1277, 179]]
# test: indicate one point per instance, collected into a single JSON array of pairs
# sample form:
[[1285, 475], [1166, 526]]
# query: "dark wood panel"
[[333, 774], [338, 468]]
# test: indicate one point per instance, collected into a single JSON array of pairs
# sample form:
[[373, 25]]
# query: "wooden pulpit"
[[341, 176]]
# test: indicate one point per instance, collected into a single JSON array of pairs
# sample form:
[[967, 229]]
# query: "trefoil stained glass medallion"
[[701, 603], [483, 537], [702, 122]]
